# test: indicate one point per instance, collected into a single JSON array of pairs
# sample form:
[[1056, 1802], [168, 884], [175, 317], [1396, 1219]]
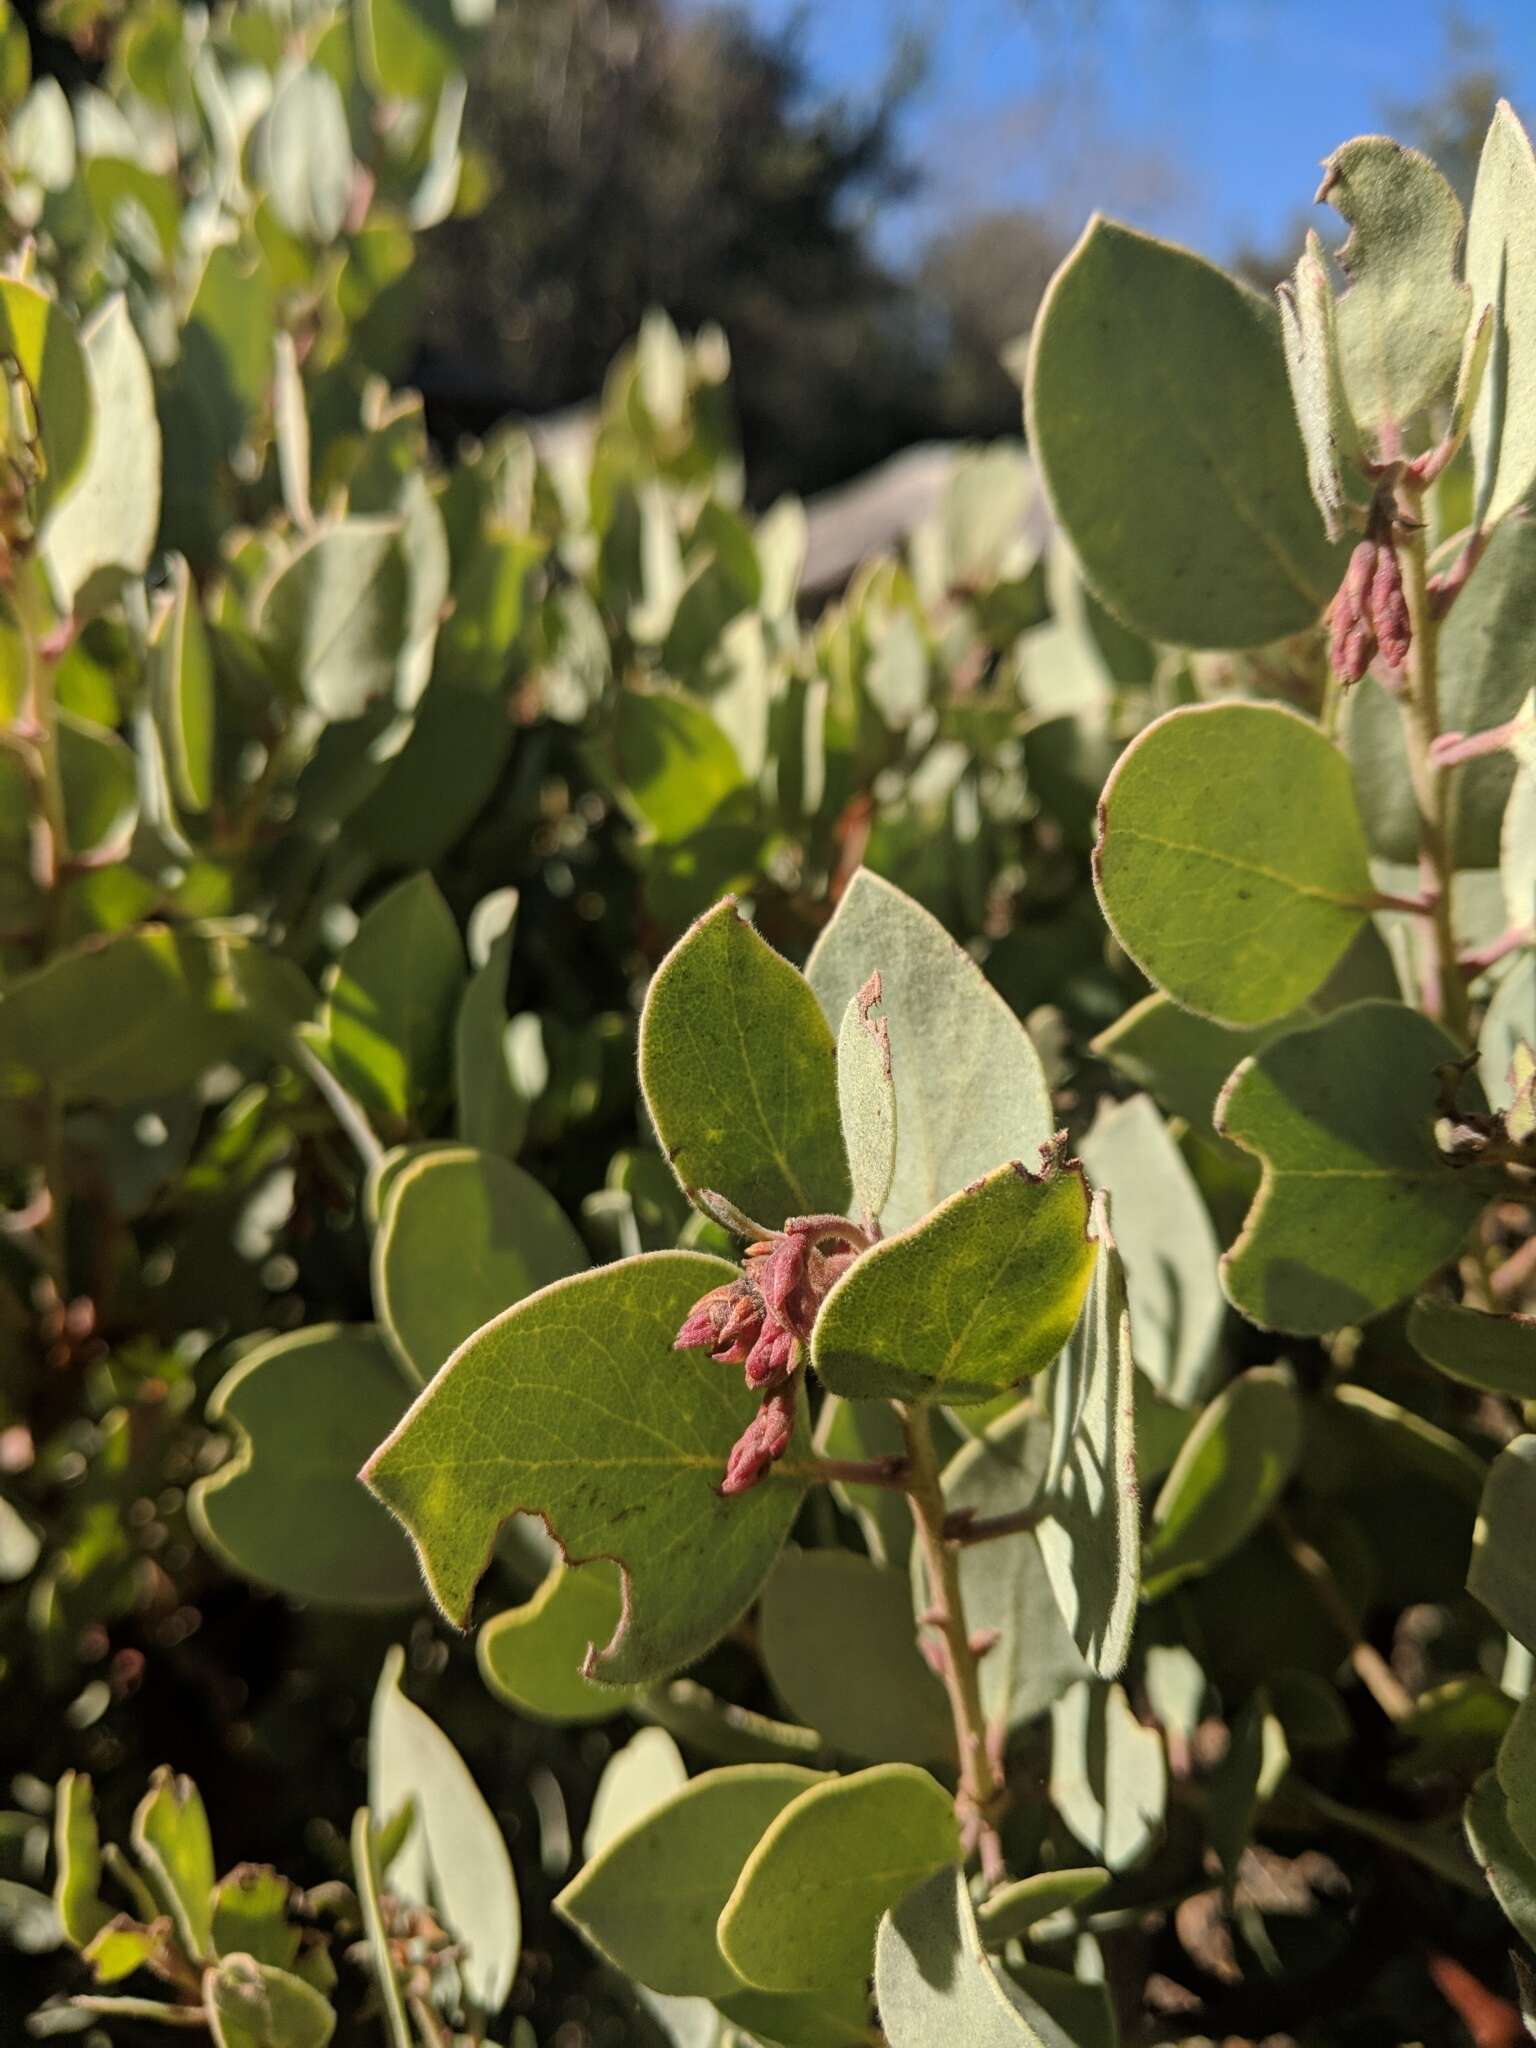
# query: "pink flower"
[[765, 1439]]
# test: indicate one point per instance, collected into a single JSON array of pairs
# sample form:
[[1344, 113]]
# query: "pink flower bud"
[[1389, 606], [764, 1440]]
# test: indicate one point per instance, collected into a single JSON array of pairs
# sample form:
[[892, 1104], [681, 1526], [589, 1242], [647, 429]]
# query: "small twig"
[[891, 1471], [1477, 958], [964, 1526], [1370, 1667]]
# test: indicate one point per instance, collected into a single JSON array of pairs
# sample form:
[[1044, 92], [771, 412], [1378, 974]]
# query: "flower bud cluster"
[[1370, 612], [761, 1322]]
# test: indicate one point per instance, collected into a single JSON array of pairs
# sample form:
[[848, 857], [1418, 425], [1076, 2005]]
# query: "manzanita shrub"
[[986, 1534]]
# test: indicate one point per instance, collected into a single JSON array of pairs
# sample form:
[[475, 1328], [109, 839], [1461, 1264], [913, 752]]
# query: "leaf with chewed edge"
[[573, 1405]]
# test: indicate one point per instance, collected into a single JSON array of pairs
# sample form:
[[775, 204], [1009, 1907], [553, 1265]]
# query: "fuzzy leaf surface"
[[1204, 875], [935, 1982], [1168, 443], [1109, 1775], [392, 998], [532, 1656], [1233, 1466], [574, 1405], [110, 518], [866, 1098], [978, 1297], [1356, 1207], [1309, 333], [1502, 1573], [969, 1087], [739, 1070], [1496, 1353], [1401, 319], [1501, 269], [805, 1909]]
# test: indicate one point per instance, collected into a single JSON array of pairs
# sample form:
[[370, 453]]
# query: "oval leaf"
[[1232, 1468]]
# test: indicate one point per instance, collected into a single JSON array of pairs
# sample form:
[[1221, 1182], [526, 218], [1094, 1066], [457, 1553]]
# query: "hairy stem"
[[981, 1787], [1445, 985], [964, 1526]]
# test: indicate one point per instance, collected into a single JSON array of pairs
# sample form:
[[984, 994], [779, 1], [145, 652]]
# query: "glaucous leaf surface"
[[1164, 1236], [109, 519], [969, 1088], [391, 999], [182, 691], [866, 1099], [1183, 1059], [1005, 1584], [1109, 1776], [1168, 444], [1234, 1465], [1496, 1353], [1203, 873], [334, 616], [304, 1411], [935, 1982], [453, 1859], [804, 1911], [739, 1070], [978, 1297], [636, 1780], [1502, 1573], [672, 763], [38, 336], [574, 1405], [481, 1220], [1516, 1770], [1401, 317], [1090, 1536], [532, 1656], [490, 1109], [1014, 1908], [368, 1882], [827, 1614], [1309, 332], [650, 1898], [100, 785], [1356, 1207], [1501, 270], [250, 1916]]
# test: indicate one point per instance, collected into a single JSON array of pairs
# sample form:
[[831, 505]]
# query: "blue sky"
[[1201, 119]]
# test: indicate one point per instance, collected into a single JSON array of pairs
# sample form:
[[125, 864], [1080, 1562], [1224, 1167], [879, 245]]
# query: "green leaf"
[[482, 1219], [1203, 873], [182, 691], [1234, 1465], [114, 1020], [77, 1861], [1309, 331], [827, 1614], [740, 1073], [171, 1839], [119, 1949], [1496, 1353], [1502, 1573], [1014, 1908], [1356, 1207], [40, 344], [649, 1900], [1501, 269], [1503, 1858], [253, 2005], [1167, 441], [491, 1111], [1401, 319], [1482, 683], [1516, 1770], [970, 1090], [1005, 1585], [109, 519], [1182, 1059], [304, 154], [1164, 1234], [979, 1297], [305, 1410], [934, 1981], [809, 1899], [1090, 1538], [334, 615], [454, 1858], [864, 1430], [532, 1656], [636, 1780], [409, 49], [866, 1100], [1109, 1777], [391, 1000], [250, 1916], [368, 1865], [1255, 1762], [574, 1405], [671, 762], [101, 796]]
